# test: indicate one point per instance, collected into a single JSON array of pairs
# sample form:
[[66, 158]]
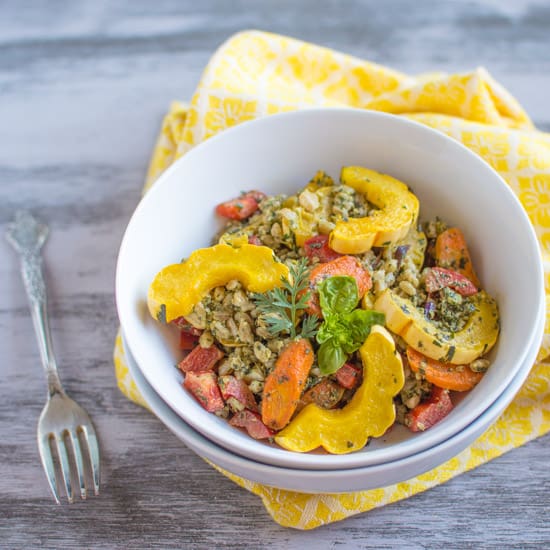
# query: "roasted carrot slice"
[[443, 375], [451, 251], [284, 385], [345, 265]]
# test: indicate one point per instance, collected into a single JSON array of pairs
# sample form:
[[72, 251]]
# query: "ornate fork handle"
[[27, 236]]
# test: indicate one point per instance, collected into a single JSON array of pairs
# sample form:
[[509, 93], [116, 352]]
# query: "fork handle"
[[33, 278]]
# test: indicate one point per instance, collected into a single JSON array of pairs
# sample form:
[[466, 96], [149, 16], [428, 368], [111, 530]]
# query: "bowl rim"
[[273, 455]]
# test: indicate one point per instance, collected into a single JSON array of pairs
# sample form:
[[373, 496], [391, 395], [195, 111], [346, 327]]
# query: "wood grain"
[[83, 88]]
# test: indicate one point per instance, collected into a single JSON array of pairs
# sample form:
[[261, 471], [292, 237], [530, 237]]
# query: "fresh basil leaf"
[[338, 295], [330, 357], [324, 333], [348, 343], [359, 323], [332, 327]]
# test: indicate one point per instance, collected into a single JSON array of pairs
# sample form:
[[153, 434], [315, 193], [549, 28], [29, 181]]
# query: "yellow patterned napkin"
[[255, 74]]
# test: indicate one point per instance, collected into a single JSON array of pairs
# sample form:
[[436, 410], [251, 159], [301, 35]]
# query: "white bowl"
[[279, 154], [323, 481]]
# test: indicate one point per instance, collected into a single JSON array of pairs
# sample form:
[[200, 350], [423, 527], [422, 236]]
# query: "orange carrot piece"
[[345, 265], [451, 251], [284, 385], [443, 375]]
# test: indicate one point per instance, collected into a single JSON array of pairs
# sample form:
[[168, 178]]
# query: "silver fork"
[[63, 423]]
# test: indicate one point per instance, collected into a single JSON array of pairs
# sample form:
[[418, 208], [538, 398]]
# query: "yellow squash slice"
[[459, 348], [369, 413], [179, 287], [398, 210]]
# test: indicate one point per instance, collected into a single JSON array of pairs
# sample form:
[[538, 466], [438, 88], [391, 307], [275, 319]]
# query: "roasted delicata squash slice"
[[459, 348], [397, 211], [416, 242], [369, 413], [179, 287]]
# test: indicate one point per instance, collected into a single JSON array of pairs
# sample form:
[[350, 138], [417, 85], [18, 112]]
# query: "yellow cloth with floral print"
[[256, 74]]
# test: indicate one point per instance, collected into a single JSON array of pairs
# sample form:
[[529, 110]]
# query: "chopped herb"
[[161, 315], [280, 307]]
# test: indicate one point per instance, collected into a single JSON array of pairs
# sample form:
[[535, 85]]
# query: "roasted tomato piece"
[[438, 277], [201, 359], [252, 423], [348, 376], [204, 387], [317, 247], [430, 411], [326, 394], [242, 207], [344, 265], [234, 389]]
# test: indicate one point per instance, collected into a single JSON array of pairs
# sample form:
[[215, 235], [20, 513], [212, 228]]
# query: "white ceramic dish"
[[321, 481], [279, 154]]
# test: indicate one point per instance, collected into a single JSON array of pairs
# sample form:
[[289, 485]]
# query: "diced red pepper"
[[348, 376], [185, 326], [201, 359], [439, 277], [237, 389], [252, 423], [242, 207], [187, 341], [431, 411], [204, 387], [317, 247], [253, 239]]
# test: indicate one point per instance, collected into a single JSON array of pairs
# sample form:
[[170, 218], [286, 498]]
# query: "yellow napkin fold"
[[255, 74]]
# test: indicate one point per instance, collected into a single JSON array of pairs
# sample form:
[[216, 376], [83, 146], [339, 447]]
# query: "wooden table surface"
[[83, 87]]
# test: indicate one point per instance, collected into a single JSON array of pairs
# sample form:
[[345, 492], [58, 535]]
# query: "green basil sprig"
[[344, 328]]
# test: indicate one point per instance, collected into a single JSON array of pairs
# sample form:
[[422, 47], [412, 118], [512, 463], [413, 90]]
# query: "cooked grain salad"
[[314, 312]]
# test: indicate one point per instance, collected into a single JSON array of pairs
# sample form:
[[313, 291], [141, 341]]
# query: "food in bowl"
[[322, 318]]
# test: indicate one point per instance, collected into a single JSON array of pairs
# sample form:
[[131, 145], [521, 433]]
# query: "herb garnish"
[[344, 328], [281, 307]]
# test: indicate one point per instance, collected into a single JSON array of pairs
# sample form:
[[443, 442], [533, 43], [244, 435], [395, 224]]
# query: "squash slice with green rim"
[[459, 348]]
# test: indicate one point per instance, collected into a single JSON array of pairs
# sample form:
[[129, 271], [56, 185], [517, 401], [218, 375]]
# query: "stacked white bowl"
[[278, 154]]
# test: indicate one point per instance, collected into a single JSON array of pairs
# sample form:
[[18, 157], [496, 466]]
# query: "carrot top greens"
[[282, 308]]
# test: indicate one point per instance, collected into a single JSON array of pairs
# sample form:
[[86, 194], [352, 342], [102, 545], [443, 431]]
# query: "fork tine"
[[91, 441], [77, 453], [47, 463], [65, 469]]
